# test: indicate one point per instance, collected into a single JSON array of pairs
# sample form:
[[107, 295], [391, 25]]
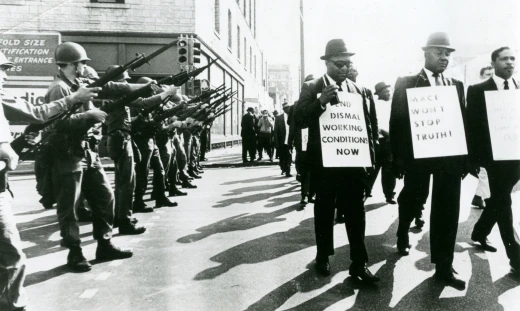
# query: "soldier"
[[120, 150], [77, 168], [12, 258], [144, 139]]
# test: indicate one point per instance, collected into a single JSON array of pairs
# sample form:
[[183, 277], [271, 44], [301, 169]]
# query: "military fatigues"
[[120, 150]]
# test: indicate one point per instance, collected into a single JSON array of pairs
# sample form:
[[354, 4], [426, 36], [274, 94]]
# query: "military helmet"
[[90, 73], [70, 52], [123, 76], [4, 62]]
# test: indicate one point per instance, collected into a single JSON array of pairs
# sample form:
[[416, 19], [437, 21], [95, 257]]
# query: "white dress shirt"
[[500, 83], [431, 78]]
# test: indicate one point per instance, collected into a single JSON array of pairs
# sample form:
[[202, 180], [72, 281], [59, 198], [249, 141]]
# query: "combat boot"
[[107, 251], [76, 261]]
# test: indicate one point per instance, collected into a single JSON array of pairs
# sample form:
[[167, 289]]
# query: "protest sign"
[[503, 111], [436, 122], [343, 133]]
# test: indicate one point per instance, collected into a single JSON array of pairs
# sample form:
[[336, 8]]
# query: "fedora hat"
[[336, 47], [381, 86], [438, 40]]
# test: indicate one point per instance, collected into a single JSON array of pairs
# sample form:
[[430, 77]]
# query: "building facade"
[[283, 84], [113, 31]]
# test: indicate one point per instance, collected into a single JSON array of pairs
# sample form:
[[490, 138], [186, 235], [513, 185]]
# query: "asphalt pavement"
[[241, 241]]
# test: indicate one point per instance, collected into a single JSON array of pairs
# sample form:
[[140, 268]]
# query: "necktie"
[[339, 85], [437, 80], [506, 85]]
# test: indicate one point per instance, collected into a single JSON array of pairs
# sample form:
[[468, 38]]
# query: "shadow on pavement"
[[256, 197], [237, 223]]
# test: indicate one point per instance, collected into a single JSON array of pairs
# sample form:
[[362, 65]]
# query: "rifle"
[[207, 95], [184, 76], [21, 147]]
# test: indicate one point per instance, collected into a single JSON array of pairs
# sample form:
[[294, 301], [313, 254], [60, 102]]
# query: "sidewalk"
[[221, 157]]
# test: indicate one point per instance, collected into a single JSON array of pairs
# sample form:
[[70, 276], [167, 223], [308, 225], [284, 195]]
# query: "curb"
[[110, 168]]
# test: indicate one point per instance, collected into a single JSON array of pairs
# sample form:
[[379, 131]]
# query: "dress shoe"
[[484, 244], [340, 219], [133, 220], [183, 176], [419, 222], [140, 207], [363, 273], [198, 171], [282, 173], [77, 261], [107, 251], [131, 229], [187, 184], [404, 250], [164, 202], [312, 199], [288, 174], [478, 202], [259, 159], [304, 201], [271, 159], [298, 177], [390, 201], [323, 266], [176, 193], [446, 274]]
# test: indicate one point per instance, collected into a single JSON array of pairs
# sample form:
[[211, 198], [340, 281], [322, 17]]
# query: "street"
[[241, 242]]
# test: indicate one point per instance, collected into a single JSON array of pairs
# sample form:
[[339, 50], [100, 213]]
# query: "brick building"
[[113, 31]]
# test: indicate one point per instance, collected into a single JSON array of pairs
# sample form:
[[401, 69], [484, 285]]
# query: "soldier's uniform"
[[77, 168]]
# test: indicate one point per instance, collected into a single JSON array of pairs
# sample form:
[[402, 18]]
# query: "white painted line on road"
[[89, 293], [103, 276], [464, 245], [115, 263], [482, 256]]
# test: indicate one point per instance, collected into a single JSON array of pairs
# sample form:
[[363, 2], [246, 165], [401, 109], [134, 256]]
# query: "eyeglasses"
[[340, 64]]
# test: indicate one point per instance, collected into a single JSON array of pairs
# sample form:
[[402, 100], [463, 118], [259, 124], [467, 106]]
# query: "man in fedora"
[[281, 139], [344, 186], [447, 171], [383, 150], [248, 134]]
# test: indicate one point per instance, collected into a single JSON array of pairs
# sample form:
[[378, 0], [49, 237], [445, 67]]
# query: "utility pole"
[[302, 46]]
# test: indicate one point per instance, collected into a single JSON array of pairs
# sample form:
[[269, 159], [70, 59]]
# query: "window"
[[244, 8], [254, 20], [107, 1], [217, 16], [238, 42], [245, 53], [250, 24], [251, 60], [255, 69], [229, 34]]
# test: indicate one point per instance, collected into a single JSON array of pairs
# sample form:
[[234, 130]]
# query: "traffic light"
[[182, 51], [193, 51]]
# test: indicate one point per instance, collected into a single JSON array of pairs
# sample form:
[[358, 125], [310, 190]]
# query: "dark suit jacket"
[[248, 125], [400, 132], [479, 140], [279, 129], [308, 111]]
